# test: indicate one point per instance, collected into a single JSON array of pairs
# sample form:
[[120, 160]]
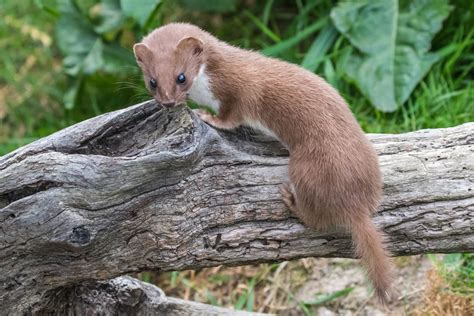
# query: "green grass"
[[28, 78], [33, 84], [324, 299], [457, 270], [437, 102]]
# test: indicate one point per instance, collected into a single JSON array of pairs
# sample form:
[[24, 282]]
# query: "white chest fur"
[[200, 91]]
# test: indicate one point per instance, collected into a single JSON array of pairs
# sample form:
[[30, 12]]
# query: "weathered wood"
[[124, 296], [144, 188]]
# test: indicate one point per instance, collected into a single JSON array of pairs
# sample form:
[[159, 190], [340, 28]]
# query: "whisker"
[[127, 85], [138, 98]]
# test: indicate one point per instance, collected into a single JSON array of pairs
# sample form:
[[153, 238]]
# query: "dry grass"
[[284, 288], [28, 30], [263, 288], [441, 300]]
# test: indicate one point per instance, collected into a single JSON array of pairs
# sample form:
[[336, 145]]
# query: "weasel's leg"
[[224, 120], [290, 199]]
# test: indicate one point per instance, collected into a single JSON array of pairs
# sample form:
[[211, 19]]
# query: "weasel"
[[335, 179]]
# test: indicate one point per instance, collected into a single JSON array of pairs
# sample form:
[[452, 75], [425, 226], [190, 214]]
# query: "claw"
[[204, 115], [288, 197], [200, 112]]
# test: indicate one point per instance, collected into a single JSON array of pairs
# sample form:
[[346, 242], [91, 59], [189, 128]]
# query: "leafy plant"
[[392, 41], [91, 38]]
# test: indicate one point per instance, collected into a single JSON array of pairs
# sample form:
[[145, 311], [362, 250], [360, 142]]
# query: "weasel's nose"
[[169, 104]]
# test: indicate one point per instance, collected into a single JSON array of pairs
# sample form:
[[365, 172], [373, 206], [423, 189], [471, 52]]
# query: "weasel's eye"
[[181, 78], [153, 83]]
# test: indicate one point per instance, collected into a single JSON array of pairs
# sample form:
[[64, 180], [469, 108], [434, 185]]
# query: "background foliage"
[[402, 65]]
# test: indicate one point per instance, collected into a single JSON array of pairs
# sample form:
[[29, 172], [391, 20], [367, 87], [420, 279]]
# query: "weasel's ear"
[[190, 45], [142, 53]]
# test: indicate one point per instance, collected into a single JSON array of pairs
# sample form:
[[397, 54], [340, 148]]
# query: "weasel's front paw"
[[204, 115], [215, 121]]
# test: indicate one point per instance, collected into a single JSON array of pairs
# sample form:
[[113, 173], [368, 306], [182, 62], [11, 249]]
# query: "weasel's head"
[[168, 71]]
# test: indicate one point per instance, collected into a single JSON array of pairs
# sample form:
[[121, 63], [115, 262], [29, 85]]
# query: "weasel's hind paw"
[[288, 197]]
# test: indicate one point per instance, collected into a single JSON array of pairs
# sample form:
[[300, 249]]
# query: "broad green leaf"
[[84, 51], [140, 10], [118, 60], [68, 7], [111, 17], [76, 40], [393, 41], [416, 28], [94, 61], [86, 62]]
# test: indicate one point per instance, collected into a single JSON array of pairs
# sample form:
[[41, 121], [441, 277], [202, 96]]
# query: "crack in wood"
[[27, 190]]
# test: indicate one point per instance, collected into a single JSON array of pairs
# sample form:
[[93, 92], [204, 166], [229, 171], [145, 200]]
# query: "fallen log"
[[146, 188]]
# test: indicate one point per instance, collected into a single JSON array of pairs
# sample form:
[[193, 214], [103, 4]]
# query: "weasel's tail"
[[369, 247]]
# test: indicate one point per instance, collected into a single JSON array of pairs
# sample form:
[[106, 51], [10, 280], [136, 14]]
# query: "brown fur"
[[334, 172]]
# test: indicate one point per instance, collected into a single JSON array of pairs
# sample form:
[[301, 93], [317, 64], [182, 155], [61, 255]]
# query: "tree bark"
[[146, 188], [124, 296]]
